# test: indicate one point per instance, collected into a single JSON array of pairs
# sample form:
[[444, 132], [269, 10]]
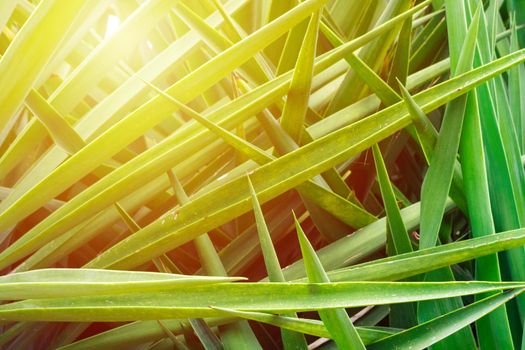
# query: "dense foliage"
[[247, 174]]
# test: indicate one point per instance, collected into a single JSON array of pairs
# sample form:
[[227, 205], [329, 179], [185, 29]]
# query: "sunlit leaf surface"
[[262, 174]]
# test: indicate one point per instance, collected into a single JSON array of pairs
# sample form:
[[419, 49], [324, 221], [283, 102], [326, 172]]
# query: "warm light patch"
[[112, 25]]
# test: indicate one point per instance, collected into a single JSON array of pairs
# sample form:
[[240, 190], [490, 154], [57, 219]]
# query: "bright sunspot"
[[112, 25]]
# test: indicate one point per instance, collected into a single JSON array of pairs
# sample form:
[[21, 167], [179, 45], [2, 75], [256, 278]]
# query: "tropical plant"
[[247, 174]]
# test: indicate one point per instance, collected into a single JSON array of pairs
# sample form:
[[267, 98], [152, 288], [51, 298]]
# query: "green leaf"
[[336, 321], [505, 178], [385, 93], [518, 9], [372, 55], [306, 326], [493, 330], [146, 144], [13, 331], [135, 124], [516, 86], [270, 256], [137, 333], [216, 40], [294, 112], [73, 167], [428, 333], [60, 130], [292, 47], [128, 220], [268, 297], [400, 64], [397, 228], [312, 191], [411, 264], [177, 343], [290, 339], [398, 239], [426, 134], [58, 283], [28, 54], [208, 339], [234, 334], [342, 144], [429, 309], [437, 181]]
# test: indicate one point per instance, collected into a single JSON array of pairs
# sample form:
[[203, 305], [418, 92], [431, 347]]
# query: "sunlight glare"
[[111, 26]]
